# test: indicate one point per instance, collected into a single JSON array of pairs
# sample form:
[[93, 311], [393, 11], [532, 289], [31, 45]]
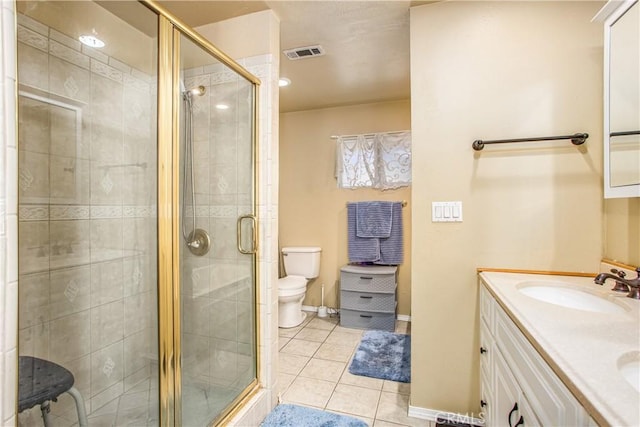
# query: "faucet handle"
[[620, 273], [620, 286]]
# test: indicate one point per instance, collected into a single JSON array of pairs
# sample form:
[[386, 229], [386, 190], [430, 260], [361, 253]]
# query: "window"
[[381, 160]]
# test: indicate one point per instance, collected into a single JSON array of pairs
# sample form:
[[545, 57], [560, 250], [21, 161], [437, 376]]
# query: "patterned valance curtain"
[[381, 160]]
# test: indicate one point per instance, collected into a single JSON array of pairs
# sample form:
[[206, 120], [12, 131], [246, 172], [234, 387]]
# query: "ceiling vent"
[[304, 52]]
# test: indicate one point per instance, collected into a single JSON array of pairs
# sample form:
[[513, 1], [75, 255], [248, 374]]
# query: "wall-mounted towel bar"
[[576, 139], [404, 203], [625, 133]]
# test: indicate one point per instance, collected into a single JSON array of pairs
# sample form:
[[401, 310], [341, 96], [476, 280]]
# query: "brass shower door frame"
[[169, 241]]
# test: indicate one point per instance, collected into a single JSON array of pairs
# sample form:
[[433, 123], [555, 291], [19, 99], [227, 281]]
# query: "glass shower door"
[[217, 260], [87, 172]]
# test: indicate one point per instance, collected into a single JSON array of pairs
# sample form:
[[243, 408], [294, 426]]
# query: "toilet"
[[300, 265]]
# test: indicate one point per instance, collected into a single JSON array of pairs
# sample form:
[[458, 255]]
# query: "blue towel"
[[392, 248], [373, 219], [361, 249], [384, 251]]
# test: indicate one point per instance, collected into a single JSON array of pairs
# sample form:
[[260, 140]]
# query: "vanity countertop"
[[582, 347]]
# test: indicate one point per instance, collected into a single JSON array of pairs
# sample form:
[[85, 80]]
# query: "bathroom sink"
[[629, 368], [569, 296]]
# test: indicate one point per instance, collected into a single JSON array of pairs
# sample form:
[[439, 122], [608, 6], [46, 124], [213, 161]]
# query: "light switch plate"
[[446, 211]]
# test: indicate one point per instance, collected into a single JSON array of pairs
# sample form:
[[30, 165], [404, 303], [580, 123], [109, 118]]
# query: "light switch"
[[446, 211]]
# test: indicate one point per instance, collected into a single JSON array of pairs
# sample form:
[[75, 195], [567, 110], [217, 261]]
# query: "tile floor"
[[314, 371]]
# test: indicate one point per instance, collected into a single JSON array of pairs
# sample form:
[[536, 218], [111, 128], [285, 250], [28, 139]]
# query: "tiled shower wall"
[[8, 217], [86, 215]]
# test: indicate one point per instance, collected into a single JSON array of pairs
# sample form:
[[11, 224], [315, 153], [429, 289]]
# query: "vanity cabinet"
[[368, 297], [517, 387]]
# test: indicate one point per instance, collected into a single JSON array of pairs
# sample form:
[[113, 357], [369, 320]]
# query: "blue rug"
[[384, 355], [298, 416]]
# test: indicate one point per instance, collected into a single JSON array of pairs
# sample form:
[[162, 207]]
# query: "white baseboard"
[[434, 415], [314, 309]]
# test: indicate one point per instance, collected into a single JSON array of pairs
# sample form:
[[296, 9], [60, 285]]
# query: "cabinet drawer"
[[368, 279], [368, 301], [553, 403], [367, 320]]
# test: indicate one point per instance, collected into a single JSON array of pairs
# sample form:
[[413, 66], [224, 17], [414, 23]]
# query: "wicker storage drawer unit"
[[368, 297]]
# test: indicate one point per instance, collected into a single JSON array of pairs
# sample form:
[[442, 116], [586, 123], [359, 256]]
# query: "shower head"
[[198, 90]]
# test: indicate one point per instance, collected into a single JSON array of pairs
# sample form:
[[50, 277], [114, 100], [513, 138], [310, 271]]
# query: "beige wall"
[[312, 209], [622, 230], [495, 70], [244, 36]]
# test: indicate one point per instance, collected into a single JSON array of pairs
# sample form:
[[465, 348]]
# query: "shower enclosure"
[[137, 230]]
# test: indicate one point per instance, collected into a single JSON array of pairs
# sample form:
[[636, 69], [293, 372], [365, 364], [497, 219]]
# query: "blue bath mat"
[[297, 416], [384, 355]]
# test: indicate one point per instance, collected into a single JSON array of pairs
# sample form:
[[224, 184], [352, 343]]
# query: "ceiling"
[[366, 44]]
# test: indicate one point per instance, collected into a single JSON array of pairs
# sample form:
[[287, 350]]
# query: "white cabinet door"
[[487, 348], [510, 406], [507, 392], [486, 403]]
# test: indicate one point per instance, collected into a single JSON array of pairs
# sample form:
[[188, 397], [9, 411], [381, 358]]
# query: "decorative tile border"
[[80, 212], [223, 211], [33, 213], [106, 71], [259, 71], [39, 36], [64, 39], [219, 73], [68, 212], [139, 212], [32, 24], [33, 39], [67, 54]]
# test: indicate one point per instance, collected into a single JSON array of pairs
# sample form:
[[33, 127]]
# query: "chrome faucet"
[[633, 285]]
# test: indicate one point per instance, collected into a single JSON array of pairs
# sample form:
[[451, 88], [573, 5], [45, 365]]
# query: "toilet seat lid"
[[292, 282]]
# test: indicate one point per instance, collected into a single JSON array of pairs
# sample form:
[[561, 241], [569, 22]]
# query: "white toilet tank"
[[302, 261]]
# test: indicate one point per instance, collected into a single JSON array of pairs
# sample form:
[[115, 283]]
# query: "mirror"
[[622, 102]]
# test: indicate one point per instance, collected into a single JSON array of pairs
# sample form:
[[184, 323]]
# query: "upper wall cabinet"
[[621, 98]]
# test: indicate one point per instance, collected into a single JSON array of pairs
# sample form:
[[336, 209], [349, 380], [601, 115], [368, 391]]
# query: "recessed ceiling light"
[[284, 82], [91, 41], [222, 106]]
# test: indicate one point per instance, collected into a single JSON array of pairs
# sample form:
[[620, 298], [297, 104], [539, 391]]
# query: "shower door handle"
[[254, 240]]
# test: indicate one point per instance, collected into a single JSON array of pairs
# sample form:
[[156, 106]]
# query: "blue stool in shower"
[[41, 382]]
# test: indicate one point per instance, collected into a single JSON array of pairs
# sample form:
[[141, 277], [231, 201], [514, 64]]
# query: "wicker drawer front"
[[366, 282], [367, 301], [367, 320]]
